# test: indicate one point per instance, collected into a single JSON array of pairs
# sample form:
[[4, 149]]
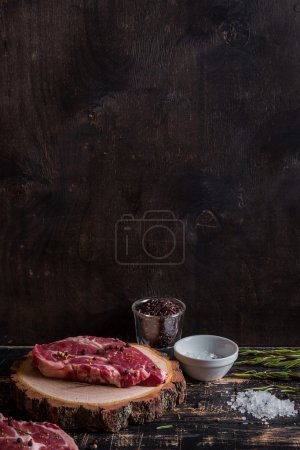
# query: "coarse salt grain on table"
[[262, 405]]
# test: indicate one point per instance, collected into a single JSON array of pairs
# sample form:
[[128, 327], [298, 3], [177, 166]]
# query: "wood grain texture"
[[203, 421], [89, 407], [110, 107]]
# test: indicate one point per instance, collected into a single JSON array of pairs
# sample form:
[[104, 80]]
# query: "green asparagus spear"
[[285, 389], [268, 375], [280, 358]]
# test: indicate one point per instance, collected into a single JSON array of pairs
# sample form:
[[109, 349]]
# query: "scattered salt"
[[262, 405], [202, 355]]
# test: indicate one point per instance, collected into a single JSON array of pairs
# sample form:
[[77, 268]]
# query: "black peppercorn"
[[168, 316], [30, 443], [19, 440], [83, 351]]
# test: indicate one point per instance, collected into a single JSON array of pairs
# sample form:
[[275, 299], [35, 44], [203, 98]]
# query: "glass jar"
[[158, 322]]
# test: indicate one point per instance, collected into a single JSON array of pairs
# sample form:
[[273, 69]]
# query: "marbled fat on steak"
[[97, 360], [17, 434]]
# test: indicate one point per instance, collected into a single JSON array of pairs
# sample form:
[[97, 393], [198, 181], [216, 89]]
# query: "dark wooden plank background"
[[111, 107]]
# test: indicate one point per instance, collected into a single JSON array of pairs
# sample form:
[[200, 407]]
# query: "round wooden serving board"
[[80, 405]]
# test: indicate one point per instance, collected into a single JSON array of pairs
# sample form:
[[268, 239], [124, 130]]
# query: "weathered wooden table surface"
[[204, 421]]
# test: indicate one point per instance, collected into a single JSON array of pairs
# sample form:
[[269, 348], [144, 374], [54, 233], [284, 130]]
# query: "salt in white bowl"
[[206, 369]]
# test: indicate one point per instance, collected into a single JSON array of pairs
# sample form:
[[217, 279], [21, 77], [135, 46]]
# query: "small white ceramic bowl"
[[203, 369]]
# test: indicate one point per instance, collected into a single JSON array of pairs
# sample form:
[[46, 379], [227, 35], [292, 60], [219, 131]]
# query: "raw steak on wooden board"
[[17, 434], [81, 405], [97, 360]]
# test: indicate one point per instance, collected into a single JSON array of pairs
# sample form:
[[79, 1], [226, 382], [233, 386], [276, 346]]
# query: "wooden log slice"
[[79, 405]]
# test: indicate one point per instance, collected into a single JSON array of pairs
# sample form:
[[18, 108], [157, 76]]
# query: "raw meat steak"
[[97, 360], [17, 434]]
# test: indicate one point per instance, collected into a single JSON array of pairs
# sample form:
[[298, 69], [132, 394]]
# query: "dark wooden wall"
[[111, 107]]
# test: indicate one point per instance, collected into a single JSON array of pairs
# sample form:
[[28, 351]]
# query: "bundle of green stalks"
[[282, 359], [285, 389], [284, 375]]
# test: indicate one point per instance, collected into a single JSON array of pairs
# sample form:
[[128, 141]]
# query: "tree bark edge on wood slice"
[[110, 417]]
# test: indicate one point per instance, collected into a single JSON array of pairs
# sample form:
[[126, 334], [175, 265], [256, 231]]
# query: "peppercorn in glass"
[[158, 322]]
